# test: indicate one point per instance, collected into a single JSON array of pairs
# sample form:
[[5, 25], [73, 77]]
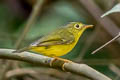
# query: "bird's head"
[[78, 27]]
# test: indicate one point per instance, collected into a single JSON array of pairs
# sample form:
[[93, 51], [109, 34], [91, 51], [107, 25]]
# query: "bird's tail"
[[21, 50]]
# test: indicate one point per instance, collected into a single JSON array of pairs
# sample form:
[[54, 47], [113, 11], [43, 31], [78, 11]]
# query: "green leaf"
[[116, 8]]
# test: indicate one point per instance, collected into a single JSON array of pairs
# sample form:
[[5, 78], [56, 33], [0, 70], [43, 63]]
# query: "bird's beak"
[[88, 26]]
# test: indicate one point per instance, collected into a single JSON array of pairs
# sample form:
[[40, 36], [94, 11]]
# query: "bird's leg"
[[61, 59]]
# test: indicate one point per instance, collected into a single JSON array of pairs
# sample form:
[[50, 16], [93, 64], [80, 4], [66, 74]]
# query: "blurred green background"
[[14, 15]]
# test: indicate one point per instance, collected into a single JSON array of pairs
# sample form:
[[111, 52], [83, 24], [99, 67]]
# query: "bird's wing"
[[55, 39], [59, 38]]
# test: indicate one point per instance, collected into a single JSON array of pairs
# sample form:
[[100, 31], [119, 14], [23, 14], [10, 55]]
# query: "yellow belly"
[[55, 50]]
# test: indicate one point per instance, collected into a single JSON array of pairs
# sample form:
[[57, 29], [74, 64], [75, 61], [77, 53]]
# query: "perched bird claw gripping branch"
[[52, 62]]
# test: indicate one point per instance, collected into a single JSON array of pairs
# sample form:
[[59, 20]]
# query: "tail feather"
[[21, 50]]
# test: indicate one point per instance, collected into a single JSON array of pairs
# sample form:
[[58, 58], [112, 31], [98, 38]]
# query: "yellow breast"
[[55, 50]]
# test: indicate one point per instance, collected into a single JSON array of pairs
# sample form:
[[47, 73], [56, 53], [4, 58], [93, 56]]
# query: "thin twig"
[[87, 46], [38, 72], [44, 60], [96, 12], [116, 70], [18, 72], [116, 37], [30, 21], [4, 70]]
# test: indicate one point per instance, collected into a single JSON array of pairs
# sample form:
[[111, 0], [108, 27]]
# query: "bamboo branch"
[[80, 69]]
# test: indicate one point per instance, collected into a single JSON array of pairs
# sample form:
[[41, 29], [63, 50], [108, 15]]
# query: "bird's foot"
[[60, 59]]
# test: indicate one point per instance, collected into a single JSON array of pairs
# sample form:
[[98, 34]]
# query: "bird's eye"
[[77, 26]]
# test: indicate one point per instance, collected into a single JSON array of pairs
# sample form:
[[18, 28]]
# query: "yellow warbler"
[[58, 42]]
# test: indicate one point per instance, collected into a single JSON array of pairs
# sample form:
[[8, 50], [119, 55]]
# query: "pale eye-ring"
[[77, 26]]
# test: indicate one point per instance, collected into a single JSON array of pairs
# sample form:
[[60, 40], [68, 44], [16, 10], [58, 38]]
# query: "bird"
[[58, 42]]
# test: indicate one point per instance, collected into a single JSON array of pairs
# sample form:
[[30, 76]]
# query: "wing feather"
[[55, 39]]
